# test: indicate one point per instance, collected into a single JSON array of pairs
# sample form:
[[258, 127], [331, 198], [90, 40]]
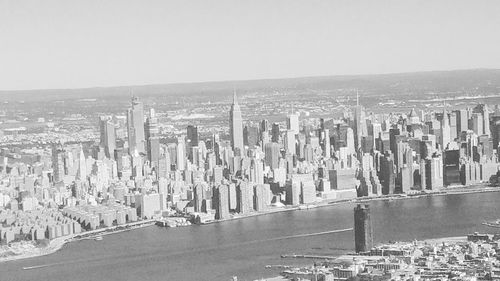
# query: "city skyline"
[[74, 44]]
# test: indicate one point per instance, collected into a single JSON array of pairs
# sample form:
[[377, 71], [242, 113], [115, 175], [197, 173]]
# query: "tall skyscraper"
[[108, 135], [135, 127], [58, 163], [236, 127], [363, 233], [181, 154], [221, 196], [152, 138], [272, 152], [360, 128], [192, 135], [292, 123]]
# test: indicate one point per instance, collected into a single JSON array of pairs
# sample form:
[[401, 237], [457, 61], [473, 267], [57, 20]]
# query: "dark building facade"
[[363, 233]]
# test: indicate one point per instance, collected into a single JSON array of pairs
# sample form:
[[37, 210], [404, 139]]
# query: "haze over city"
[[74, 44]]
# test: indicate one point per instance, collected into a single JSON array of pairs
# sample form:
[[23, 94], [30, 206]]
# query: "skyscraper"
[[221, 196], [272, 152], [360, 128], [363, 233], [292, 123], [135, 127], [108, 136], [58, 163], [236, 127], [152, 138]]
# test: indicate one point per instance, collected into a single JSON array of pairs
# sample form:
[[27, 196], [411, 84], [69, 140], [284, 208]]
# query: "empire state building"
[[236, 127]]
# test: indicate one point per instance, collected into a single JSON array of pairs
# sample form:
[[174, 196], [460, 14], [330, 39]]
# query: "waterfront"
[[244, 247]]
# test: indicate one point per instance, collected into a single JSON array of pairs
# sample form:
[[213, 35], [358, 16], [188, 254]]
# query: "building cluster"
[[132, 173], [473, 259]]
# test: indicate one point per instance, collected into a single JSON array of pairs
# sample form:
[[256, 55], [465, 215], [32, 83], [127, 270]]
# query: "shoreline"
[[454, 190], [57, 243]]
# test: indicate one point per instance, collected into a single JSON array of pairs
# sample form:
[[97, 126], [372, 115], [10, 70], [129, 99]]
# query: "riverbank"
[[479, 188], [56, 244], [28, 249]]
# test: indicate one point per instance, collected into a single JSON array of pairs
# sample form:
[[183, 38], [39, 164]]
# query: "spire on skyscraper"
[[235, 98]]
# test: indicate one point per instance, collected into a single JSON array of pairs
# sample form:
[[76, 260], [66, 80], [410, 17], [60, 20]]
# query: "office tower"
[[152, 138], [272, 152], [108, 136], [192, 135], [445, 131], [325, 141], [244, 197], [387, 173], [363, 232], [477, 123], [251, 136], [292, 189], [82, 166], [290, 142], [264, 126], [434, 173], [453, 126], [198, 196], [423, 180], [342, 178], [308, 153], [482, 109], [181, 154], [164, 164], [261, 197], [135, 127], [451, 167], [292, 123], [350, 144], [360, 128], [307, 188], [256, 171], [275, 133], [462, 121], [58, 163], [191, 140], [236, 127]]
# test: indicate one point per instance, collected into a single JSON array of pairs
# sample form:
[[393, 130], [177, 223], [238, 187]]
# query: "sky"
[[87, 43]]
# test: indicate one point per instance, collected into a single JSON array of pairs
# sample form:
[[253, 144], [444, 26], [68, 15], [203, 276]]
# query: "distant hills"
[[473, 80]]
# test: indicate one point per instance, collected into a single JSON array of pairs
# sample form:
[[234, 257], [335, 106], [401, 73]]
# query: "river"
[[243, 247]]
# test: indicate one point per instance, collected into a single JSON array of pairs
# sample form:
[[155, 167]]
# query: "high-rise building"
[[236, 127], [272, 152], [244, 197], [462, 121], [58, 163], [221, 198], [135, 127], [290, 142], [108, 135], [251, 136], [482, 109], [82, 166], [275, 133], [360, 128], [363, 233], [292, 123], [181, 154], [152, 138]]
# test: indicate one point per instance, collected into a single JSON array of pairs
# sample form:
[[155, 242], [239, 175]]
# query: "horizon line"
[[2, 91]]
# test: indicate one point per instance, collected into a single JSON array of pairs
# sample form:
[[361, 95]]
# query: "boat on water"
[[98, 238]]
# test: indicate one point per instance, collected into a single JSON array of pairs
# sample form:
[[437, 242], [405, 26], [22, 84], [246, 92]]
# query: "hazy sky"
[[66, 43]]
